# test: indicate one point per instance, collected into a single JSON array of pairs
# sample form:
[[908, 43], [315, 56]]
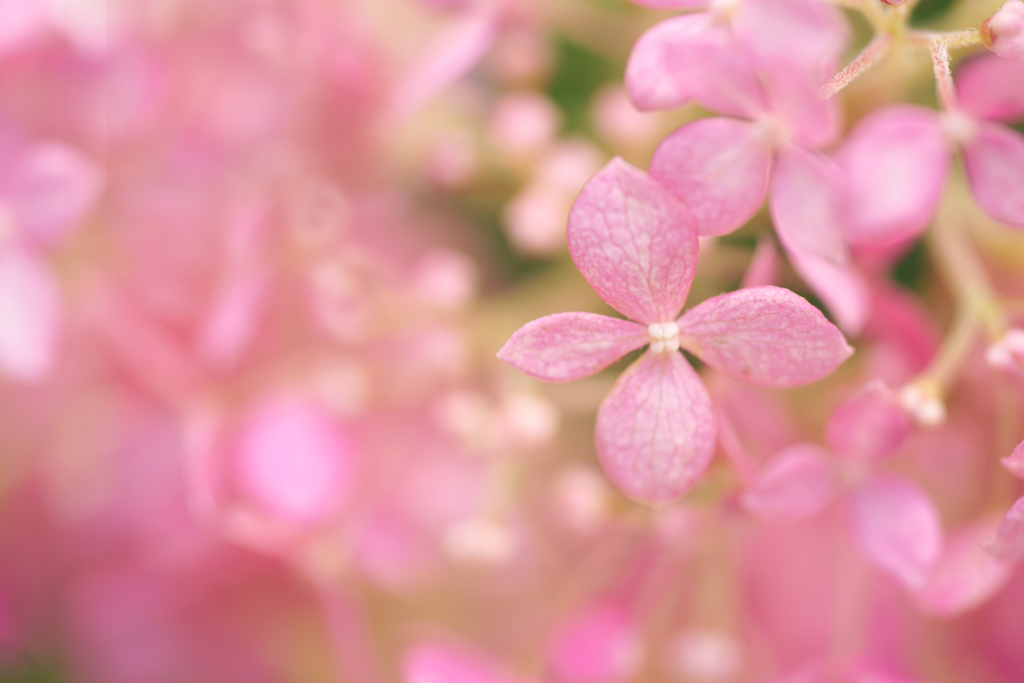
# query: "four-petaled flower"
[[637, 246]]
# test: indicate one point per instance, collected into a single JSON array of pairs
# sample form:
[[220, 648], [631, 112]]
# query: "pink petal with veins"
[[29, 315], [692, 58], [765, 335], [566, 346], [795, 483], [986, 89], [656, 428], [966, 575], [1008, 542], [807, 204], [452, 55], [995, 169], [1015, 462], [869, 424], [841, 287], [49, 189], [897, 528], [895, 164], [442, 663], [634, 243], [718, 168]]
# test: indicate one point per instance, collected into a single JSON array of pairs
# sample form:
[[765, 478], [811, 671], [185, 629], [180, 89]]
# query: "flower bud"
[[1003, 32], [1007, 354]]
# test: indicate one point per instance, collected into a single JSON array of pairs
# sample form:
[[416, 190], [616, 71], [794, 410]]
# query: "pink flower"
[[1003, 32], [637, 247], [897, 159]]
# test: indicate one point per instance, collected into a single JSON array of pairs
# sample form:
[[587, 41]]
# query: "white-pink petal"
[[1015, 461], [895, 164], [434, 662], [656, 428], [634, 243], [692, 58], [718, 168], [870, 424], [995, 169], [765, 335], [808, 204], [30, 313], [896, 527], [567, 346], [1008, 542], [795, 483], [966, 575]]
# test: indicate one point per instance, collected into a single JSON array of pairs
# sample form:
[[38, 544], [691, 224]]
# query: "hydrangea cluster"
[[257, 258]]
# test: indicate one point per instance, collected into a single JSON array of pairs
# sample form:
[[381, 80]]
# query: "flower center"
[[959, 127], [664, 337]]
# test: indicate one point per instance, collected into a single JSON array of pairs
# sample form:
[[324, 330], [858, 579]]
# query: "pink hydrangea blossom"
[[637, 247]]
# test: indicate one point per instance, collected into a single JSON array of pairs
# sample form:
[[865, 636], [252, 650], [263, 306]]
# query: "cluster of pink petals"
[[896, 160], [637, 247]]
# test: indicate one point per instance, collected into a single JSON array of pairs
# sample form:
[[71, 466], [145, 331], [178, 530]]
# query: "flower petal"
[[656, 428], [807, 204], [897, 528], [49, 189], [995, 168], [795, 483], [986, 88], [965, 575], [447, 59], [1008, 542], [869, 424], [895, 163], [718, 168], [692, 57], [793, 35], [567, 346], [634, 243], [671, 4], [765, 335], [841, 287], [29, 316], [1015, 462], [436, 662]]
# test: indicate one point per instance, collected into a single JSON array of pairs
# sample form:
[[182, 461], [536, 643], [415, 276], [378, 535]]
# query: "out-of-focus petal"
[[1008, 542], [441, 663], [765, 335], [656, 428], [795, 483], [1015, 462], [692, 58], [764, 266], [796, 100], [799, 36], [869, 424], [966, 575], [600, 643], [671, 4], [634, 243], [995, 168], [987, 88], [447, 59], [718, 168], [294, 460], [569, 346], [897, 528], [841, 287], [49, 189], [29, 316], [807, 204], [21, 22], [895, 164]]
